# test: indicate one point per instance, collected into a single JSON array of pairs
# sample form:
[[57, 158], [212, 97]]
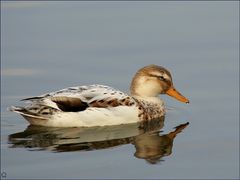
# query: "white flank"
[[91, 117]]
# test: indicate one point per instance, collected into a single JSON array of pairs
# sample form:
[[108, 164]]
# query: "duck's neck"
[[155, 100]]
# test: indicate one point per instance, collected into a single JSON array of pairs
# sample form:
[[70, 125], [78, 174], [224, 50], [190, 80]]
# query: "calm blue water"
[[47, 46]]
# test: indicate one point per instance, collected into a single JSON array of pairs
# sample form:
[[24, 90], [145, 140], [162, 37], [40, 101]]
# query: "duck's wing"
[[79, 98]]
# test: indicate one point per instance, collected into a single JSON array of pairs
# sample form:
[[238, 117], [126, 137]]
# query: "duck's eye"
[[161, 78]]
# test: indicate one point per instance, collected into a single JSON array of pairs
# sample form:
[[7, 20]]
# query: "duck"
[[101, 105]]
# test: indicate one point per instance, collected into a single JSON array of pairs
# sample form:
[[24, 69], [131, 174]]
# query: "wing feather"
[[69, 104], [79, 98]]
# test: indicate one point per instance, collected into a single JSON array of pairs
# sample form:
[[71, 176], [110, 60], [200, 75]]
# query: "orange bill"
[[177, 95]]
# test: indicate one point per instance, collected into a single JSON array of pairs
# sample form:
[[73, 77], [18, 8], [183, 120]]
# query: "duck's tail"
[[26, 112], [17, 109]]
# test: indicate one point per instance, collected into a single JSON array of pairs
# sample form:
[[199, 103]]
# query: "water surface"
[[46, 46]]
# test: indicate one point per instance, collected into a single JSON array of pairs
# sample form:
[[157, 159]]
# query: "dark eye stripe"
[[159, 77]]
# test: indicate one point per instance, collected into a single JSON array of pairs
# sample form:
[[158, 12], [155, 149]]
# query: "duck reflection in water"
[[152, 146], [149, 142]]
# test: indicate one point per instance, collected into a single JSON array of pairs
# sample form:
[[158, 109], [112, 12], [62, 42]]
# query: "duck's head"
[[152, 80]]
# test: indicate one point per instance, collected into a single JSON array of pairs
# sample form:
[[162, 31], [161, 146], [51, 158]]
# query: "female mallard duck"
[[98, 105]]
